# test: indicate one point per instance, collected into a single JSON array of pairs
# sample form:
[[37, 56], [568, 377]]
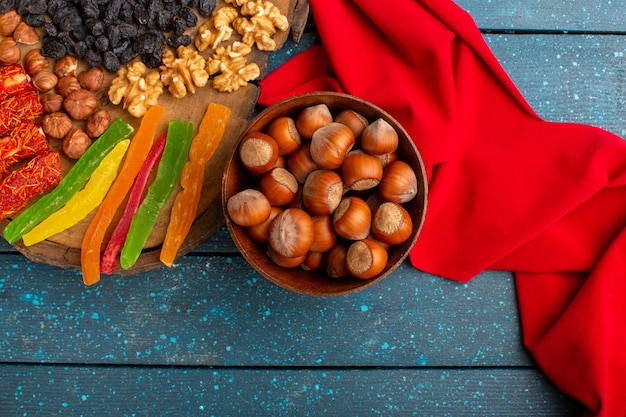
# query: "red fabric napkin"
[[507, 190]]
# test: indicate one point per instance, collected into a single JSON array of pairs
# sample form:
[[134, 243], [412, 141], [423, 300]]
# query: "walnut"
[[184, 73], [56, 124], [97, 123], [231, 63], [75, 143], [92, 79], [80, 104], [265, 19], [216, 29], [136, 90]]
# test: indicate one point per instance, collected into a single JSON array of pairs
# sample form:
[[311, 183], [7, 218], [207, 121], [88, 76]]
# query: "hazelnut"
[[51, 102], [65, 66], [56, 124], [92, 79], [44, 81], [80, 103], [8, 22], [25, 34], [67, 85], [97, 123], [9, 51], [75, 143], [35, 62]]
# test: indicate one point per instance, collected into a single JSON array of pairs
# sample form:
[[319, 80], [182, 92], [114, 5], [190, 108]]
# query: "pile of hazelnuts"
[[329, 192]]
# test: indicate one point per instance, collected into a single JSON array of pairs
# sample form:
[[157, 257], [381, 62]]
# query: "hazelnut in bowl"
[[324, 194]]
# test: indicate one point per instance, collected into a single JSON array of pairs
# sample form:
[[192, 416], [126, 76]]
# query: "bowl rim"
[[285, 107]]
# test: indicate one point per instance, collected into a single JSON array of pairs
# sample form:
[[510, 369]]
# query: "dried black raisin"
[[112, 11], [111, 61], [93, 58], [6, 6], [206, 7], [36, 6], [90, 8], [102, 43], [35, 20], [176, 41], [188, 16], [53, 48], [128, 30]]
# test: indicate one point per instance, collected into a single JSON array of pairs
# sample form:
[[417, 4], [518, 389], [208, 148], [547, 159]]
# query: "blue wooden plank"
[[218, 311], [539, 15], [133, 391], [572, 78]]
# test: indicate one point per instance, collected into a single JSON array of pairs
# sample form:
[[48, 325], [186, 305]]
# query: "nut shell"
[[391, 223], [291, 233], [258, 152], [286, 135], [312, 118], [248, 207], [352, 219], [399, 183], [322, 192], [279, 186], [330, 144], [366, 258], [379, 137]]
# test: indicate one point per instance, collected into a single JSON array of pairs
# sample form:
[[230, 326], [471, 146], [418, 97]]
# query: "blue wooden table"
[[210, 336]]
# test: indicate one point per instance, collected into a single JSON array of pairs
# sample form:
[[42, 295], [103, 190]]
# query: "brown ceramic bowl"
[[317, 283]]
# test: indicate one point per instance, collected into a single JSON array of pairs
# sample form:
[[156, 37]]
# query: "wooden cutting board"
[[63, 249]]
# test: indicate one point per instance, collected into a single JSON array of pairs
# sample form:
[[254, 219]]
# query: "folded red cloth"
[[507, 190]]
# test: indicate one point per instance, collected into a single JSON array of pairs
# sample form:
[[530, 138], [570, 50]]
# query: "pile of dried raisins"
[[111, 32]]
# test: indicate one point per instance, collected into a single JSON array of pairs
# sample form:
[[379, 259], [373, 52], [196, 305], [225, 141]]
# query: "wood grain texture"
[[216, 311], [133, 391], [211, 337], [548, 16]]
